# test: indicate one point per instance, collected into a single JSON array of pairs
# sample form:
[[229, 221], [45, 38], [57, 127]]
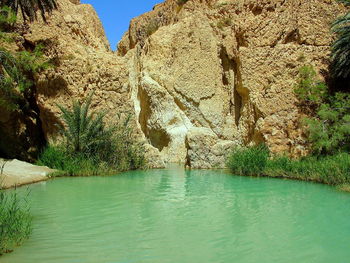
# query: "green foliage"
[[125, 151], [69, 164], [16, 74], [248, 161], [329, 128], [333, 170], [7, 18], [329, 132], [84, 132], [255, 161], [91, 148], [341, 46], [310, 90], [29, 8], [31, 62], [15, 221]]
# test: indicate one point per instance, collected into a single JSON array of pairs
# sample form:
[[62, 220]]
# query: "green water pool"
[[178, 216]]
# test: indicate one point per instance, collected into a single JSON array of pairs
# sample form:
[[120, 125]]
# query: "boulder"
[[15, 173], [206, 150]]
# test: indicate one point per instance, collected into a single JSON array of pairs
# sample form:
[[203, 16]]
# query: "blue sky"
[[116, 15]]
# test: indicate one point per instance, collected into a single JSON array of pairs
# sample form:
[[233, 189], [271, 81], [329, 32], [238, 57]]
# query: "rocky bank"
[[15, 173], [199, 76]]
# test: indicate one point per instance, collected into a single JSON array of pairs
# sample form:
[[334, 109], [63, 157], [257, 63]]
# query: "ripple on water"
[[173, 215]]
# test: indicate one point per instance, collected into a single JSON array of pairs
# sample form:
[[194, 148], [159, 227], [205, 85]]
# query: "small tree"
[[16, 74], [329, 127]]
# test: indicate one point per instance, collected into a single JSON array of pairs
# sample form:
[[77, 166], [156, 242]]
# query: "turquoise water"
[[177, 216]]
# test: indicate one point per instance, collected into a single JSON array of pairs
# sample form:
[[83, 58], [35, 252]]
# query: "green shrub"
[[85, 132], [68, 164], [54, 157], [328, 127], [91, 148], [16, 74], [310, 90], [248, 161], [7, 18], [333, 170], [126, 152], [17, 68], [15, 221]]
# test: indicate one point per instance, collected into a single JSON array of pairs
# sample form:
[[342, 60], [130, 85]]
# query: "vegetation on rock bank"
[[17, 68], [327, 127], [89, 147], [256, 161], [328, 133]]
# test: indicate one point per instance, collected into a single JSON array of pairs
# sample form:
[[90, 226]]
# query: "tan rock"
[[206, 150], [17, 173], [153, 157], [197, 78], [228, 66]]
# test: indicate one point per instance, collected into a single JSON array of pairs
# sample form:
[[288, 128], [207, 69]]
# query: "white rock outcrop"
[[17, 173]]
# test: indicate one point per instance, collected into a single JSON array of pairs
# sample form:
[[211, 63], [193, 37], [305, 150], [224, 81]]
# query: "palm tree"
[[85, 132], [341, 46], [28, 8]]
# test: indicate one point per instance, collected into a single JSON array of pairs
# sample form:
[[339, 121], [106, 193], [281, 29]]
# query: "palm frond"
[[341, 47], [29, 8]]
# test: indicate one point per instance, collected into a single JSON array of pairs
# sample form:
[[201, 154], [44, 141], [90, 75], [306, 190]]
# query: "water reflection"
[[178, 215]]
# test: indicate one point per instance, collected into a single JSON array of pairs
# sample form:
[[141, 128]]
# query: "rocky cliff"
[[209, 75], [198, 76]]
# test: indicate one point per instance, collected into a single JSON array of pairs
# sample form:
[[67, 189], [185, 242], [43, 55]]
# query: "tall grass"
[[256, 161], [332, 169], [249, 161], [72, 164], [15, 221]]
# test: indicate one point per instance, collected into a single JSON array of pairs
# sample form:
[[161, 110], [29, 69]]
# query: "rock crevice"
[[197, 78]]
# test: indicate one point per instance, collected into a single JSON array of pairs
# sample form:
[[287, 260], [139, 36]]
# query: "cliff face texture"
[[209, 75], [198, 76]]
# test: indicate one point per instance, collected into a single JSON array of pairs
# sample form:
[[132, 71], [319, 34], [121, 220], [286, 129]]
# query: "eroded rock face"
[[198, 78], [76, 42], [226, 69], [206, 150], [84, 64]]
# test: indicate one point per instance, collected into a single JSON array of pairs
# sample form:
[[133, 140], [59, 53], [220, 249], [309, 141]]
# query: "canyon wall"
[[211, 75], [199, 76]]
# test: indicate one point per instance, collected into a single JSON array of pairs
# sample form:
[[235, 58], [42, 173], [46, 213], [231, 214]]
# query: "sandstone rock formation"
[[84, 64], [227, 66], [199, 77]]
